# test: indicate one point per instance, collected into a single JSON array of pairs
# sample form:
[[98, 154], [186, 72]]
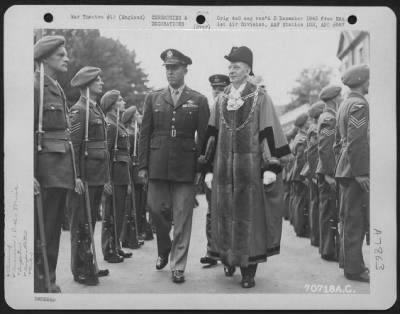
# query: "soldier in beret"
[[132, 121], [352, 171], [311, 163], [286, 177], [329, 241], [300, 188], [167, 159], [118, 149], [248, 140], [88, 131], [218, 83], [54, 168]]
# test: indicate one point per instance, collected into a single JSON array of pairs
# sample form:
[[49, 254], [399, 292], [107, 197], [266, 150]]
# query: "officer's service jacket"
[[93, 168], [326, 141], [119, 158], [53, 165], [300, 157], [167, 138], [353, 133], [312, 149]]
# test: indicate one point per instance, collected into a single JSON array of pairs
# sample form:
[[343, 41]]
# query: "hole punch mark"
[[48, 17], [200, 19], [352, 19]]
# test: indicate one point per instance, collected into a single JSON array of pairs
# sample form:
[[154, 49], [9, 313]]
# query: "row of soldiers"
[[327, 183], [82, 155]]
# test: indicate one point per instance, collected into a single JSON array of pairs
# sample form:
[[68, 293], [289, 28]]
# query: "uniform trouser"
[[314, 214], [113, 218], [208, 218], [172, 200], [81, 255], [53, 202], [286, 198], [300, 209], [140, 199], [328, 217], [353, 211]]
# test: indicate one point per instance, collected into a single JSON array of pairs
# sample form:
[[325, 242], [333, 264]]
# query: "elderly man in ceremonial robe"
[[248, 139]]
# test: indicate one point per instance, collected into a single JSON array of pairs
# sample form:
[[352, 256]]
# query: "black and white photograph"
[[173, 166]]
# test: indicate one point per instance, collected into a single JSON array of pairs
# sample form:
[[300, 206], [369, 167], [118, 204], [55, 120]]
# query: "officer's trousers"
[[208, 218], [286, 199], [81, 256], [353, 209], [300, 209], [172, 201], [140, 202], [53, 201], [314, 214], [113, 217], [328, 218]]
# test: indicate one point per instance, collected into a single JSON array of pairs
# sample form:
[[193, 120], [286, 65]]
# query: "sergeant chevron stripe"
[[358, 123], [75, 127], [328, 132]]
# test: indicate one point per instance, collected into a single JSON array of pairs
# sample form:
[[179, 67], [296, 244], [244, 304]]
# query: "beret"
[[219, 80], [301, 120], [329, 92], [356, 75], [109, 98], [85, 76], [46, 45], [241, 54], [316, 109], [128, 114], [173, 56]]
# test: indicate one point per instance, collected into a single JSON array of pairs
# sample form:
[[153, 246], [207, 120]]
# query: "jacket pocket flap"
[[96, 153], [155, 143], [53, 146]]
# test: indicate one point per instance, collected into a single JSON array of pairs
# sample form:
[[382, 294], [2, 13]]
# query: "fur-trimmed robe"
[[244, 224]]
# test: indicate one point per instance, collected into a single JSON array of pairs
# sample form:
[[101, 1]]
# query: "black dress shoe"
[[161, 262], [247, 282], [329, 257], [87, 280], [140, 242], [208, 260], [103, 272], [114, 258], [125, 254], [363, 277], [229, 270], [178, 276]]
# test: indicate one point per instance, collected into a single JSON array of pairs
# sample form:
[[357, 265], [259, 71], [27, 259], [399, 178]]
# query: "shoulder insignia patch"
[[74, 111]]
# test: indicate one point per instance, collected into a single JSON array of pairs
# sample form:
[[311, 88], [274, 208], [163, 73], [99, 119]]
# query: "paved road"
[[298, 265]]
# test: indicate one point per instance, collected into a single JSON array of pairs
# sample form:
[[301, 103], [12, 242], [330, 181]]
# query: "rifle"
[[113, 187], [42, 242], [334, 223], [41, 95]]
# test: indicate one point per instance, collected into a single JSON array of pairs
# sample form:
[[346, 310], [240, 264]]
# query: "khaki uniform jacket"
[[326, 141], [119, 159], [167, 146], [94, 168], [353, 133], [300, 158], [53, 165]]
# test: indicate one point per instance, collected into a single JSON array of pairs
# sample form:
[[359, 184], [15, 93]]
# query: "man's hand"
[[198, 178], [331, 181], [79, 187], [36, 186], [208, 180], [143, 174], [363, 182], [108, 188]]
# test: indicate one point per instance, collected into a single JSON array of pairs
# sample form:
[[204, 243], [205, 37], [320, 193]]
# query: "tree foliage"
[[119, 69], [308, 85]]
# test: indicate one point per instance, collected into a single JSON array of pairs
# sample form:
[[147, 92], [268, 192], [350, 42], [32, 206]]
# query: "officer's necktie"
[[175, 96]]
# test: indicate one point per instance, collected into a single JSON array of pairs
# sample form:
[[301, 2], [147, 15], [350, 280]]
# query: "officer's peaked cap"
[[173, 56]]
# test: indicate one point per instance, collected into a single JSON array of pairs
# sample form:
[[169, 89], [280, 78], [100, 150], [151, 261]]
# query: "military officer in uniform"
[[118, 149], [352, 171], [54, 168], [218, 83], [88, 130], [328, 209], [300, 197], [167, 157], [312, 160]]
